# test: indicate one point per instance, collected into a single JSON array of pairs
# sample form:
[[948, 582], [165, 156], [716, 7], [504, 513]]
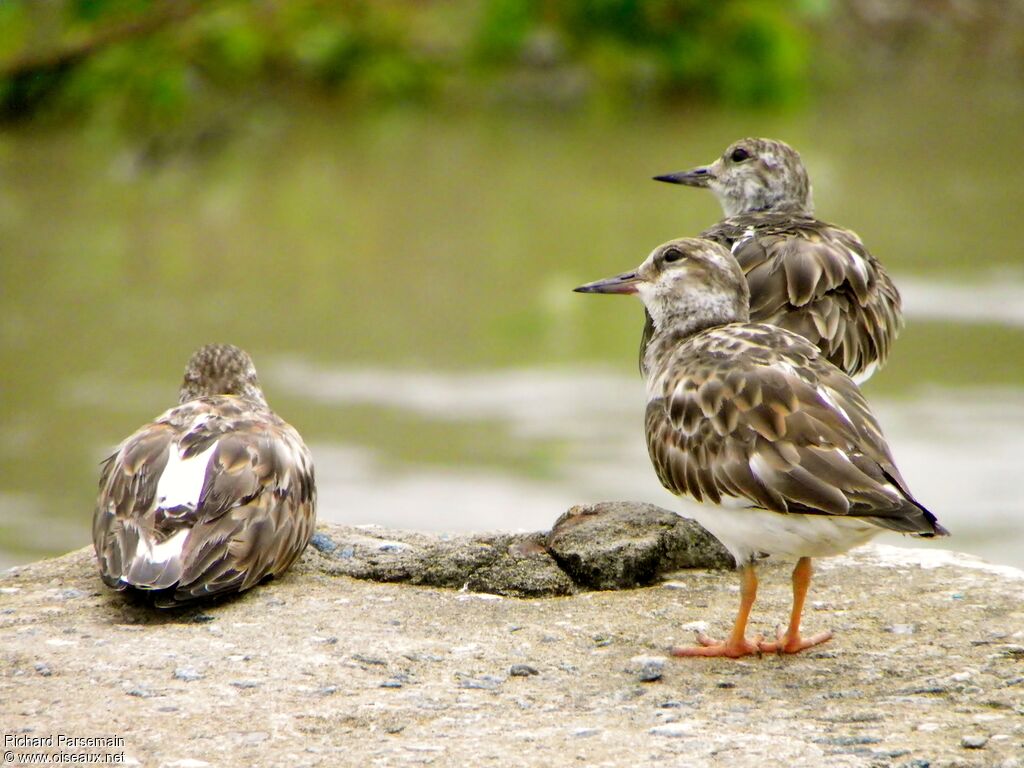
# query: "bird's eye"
[[673, 254], [739, 155]]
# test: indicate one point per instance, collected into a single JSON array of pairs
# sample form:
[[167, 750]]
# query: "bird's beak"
[[695, 177], [624, 283]]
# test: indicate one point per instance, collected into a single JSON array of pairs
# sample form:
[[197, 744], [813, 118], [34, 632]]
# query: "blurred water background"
[[397, 251]]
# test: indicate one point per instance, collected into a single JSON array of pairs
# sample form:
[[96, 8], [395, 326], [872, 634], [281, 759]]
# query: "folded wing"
[[753, 412]]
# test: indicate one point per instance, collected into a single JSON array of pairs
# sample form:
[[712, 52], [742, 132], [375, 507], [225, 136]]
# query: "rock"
[[522, 670], [516, 565], [188, 674], [618, 545], [878, 699], [672, 730], [974, 742], [611, 545], [647, 668]]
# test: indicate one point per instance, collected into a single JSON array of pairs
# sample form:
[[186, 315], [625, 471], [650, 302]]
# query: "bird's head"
[[691, 282], [752, 175], [221, 369]]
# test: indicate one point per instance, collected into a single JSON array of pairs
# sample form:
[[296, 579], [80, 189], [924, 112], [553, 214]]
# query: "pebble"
[[43, 669], [583, 733], [245, 684], [648, 669], [374, 660], [391, 684], [671, 730], [901, 629], [202, 618], [323, 543], [974, 742], [522, 670], [188, 674], [484, 682]]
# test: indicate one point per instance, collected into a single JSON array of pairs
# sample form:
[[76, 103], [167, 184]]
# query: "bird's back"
[[819, 281], [212, 497]]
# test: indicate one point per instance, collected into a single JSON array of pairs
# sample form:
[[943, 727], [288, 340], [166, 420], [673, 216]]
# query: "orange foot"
[[785, 644], [730, 648]]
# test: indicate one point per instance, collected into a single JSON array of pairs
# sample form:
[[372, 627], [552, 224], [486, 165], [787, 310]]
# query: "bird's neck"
[[668, 330]]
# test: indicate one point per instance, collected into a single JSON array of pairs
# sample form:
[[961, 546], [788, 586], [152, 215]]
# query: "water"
[[403, 281]]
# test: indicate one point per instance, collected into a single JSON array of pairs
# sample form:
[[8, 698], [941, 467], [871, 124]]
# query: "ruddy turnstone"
[[754, 419], [810, 277], [212, 497]]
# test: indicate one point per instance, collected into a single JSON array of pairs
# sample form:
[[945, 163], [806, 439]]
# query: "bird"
[[806, 275], [754, 421], [210, 498]]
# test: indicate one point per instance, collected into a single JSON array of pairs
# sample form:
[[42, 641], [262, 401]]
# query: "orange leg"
[[737, 645], [792, 642]]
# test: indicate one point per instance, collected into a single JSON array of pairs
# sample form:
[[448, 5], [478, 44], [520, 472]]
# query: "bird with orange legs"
[[755, 422]]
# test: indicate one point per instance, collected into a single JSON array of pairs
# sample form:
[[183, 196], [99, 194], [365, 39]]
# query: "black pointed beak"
[[624, 283], [695, 177]]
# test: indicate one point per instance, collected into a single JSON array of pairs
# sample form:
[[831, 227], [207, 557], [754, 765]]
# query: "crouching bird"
[[212, 497], [755, 421]]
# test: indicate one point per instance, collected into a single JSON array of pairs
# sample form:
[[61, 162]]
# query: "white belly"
[[745, 531]]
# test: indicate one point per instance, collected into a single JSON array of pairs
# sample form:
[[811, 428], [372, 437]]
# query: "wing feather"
[[798, 437], [819, 281]]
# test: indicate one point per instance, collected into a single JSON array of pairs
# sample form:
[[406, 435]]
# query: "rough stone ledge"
[[316, 669], [610, 545]]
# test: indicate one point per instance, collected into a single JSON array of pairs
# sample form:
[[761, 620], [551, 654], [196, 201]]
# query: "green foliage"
[[151, 63]]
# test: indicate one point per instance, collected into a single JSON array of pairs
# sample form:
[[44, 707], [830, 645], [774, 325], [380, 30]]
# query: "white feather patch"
[[182, 479], [165, 551]]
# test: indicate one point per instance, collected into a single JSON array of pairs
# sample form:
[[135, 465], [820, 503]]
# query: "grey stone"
[[522, 670], [974, 742], [672, 730], [515, 565], [188, 674], [647, 669], [618, 545]]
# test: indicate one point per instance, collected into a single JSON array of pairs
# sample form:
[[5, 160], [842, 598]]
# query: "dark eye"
[[739, 155], [673, 254]]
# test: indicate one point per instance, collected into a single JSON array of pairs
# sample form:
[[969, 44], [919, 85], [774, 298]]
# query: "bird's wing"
[[753, 412], [819, 281], [208, 499]]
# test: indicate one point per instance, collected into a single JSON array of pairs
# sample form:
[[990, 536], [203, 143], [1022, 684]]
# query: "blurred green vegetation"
[[151, 64]]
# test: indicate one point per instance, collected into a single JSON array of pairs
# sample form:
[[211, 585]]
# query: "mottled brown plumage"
[[754, 419], [805, 275], [212, 497]]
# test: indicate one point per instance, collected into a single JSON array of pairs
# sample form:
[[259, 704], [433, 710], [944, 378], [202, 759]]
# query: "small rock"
[[244, 684], [188, 674], [901, 629], [671, 730], [484, 682], [391, 683], [202, 618], [584, 733], [371, 660], [323, 543], [974, 742], [647, 669], [619, 545], [522, 670], [43, 669]]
